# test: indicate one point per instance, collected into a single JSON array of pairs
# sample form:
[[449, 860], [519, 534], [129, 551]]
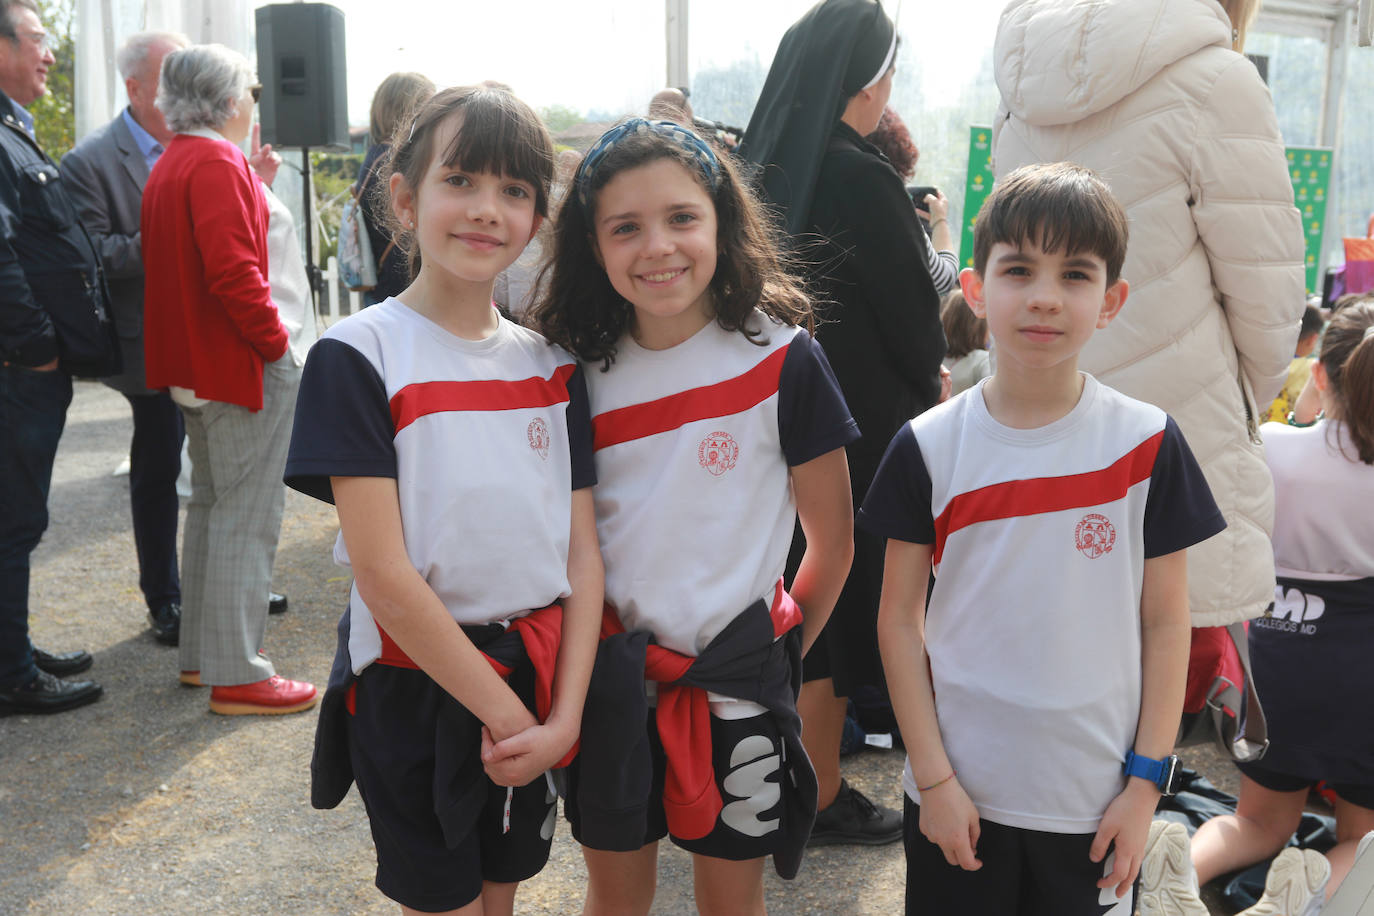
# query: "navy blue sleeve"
[[898, 502], [1180, 511], [580, 451], [813, 418], [343, 425]]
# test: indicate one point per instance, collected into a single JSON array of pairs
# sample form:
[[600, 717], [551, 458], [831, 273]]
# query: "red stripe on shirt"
[[422, 398], [732, 396], [1047, 494]]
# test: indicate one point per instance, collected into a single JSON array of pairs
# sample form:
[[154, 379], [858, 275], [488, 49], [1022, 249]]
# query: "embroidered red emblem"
[[538, 433], [718, 453], [1094, 536]]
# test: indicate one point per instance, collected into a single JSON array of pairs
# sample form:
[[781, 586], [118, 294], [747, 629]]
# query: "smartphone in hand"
[[918, 193]]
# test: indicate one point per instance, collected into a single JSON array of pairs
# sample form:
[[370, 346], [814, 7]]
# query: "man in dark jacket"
[[105, 175], [44, 255]]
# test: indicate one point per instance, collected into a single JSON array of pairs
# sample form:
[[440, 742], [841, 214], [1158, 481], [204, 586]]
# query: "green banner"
[[977, 187], [1310, 169]]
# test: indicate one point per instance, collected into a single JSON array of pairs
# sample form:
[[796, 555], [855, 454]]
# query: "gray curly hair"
[[200, 86]]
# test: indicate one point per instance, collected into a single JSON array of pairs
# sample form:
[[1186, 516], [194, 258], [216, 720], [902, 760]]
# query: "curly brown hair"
[[893, 140], [580, 310]]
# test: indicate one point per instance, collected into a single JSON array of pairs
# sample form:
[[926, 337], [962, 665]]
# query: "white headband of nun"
[[887, 61]]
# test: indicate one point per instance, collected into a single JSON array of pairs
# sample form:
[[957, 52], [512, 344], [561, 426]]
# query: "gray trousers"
[[232, 524]]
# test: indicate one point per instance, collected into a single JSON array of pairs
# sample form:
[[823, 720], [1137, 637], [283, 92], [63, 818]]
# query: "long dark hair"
[[1348, 358], [580, 310], [499, 134]]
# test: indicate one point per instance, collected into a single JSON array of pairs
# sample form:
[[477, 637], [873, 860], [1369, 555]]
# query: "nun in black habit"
[[852, 223]]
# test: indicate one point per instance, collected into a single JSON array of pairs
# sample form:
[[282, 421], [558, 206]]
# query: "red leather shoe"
[[275, 696]]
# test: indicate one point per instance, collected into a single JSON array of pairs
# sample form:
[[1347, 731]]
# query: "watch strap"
[[1155, 771]]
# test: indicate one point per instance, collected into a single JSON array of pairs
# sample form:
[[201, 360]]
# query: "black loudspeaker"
[[304, 98]]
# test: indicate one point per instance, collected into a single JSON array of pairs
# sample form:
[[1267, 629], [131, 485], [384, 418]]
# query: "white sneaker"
[[1295, 886], [1366, 841], [1355, 896], [1168, 883]]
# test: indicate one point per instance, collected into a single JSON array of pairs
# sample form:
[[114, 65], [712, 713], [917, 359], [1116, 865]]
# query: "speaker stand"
[[313, 275]]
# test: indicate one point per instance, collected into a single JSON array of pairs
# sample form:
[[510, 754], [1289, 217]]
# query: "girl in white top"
[[456, 448], [717, 423], [1311, 649]]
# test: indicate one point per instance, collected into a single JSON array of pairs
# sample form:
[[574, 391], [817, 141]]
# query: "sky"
[[609, 55]]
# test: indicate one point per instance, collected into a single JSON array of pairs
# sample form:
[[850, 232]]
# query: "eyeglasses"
[[41, 39], [256, 92]]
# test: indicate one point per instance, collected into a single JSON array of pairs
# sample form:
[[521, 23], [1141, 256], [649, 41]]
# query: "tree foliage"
[[559, 117], [54, 115], [331, 175]]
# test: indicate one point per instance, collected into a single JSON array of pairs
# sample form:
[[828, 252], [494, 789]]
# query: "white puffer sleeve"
[[1253, 235]]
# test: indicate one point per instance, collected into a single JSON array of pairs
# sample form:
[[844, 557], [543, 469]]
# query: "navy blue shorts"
[[1024, 873], [1274, 781], [441, 827], [746, 755]]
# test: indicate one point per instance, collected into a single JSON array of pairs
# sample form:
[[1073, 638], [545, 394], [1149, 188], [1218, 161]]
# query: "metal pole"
[[1333, 110], [675, 21], [1337, 65], [312, 270]]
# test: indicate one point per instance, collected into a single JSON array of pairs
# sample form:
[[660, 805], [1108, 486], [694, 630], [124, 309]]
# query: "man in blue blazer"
[[105, 175]]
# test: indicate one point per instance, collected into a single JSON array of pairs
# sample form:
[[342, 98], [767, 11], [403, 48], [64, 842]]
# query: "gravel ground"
[[146, 803]]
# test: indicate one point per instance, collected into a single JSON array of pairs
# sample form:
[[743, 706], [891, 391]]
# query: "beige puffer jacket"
[[1150, 95]]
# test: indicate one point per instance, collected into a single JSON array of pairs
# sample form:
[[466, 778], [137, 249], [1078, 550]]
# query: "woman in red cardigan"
[[212, 335]]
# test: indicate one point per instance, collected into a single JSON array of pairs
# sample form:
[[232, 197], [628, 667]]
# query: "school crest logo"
[[538, 434], [718, 453], [1095, 536]]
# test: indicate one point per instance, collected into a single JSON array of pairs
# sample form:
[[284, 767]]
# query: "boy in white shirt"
[[1047, 670]]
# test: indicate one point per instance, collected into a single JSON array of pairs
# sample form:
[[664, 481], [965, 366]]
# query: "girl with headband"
[[717, 423]]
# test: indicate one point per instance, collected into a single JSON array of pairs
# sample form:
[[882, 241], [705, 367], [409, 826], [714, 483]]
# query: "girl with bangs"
[[456, 447]]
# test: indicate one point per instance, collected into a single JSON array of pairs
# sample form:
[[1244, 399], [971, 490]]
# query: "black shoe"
[[166, 623], [45, 694], [61, 664], [852, 818], [276, 604]]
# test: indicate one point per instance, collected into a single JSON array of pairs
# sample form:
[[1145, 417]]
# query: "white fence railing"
[[339, 302]]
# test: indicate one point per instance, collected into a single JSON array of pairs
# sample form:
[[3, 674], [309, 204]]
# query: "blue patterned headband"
[[680, 136]]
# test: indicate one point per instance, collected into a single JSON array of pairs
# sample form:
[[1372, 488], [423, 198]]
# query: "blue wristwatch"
[[1166, 774]]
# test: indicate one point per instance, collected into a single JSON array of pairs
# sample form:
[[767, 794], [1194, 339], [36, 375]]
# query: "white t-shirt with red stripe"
[[1033, 625], [486, 440], [694, 502]]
